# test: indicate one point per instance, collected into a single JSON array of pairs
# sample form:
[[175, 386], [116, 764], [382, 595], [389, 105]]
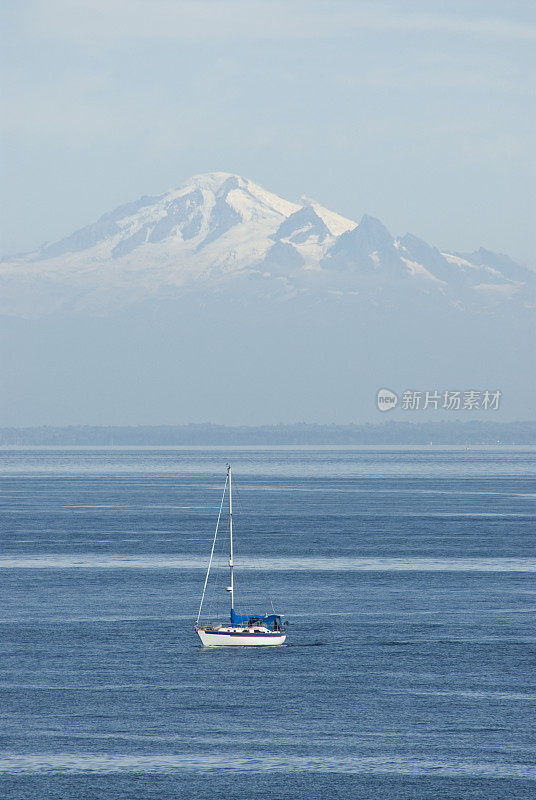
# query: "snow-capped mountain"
[[218, 228]]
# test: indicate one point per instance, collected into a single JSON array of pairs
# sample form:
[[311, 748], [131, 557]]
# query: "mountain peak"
[[374, 228], [369, 235], [360, 247], [212, 180], [335, 222], [302, 225], [501, 263]]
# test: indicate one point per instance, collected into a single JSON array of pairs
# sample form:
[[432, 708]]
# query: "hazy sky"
[[420, 113]]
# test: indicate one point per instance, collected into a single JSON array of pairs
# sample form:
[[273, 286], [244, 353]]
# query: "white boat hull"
[[241, 638]]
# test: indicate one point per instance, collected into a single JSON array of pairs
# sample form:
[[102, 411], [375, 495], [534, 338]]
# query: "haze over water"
[[407, 577]]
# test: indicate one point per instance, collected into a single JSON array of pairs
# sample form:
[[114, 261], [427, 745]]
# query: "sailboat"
[[243, 629]]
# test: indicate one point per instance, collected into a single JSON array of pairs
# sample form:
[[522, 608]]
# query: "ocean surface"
[[407, 577]]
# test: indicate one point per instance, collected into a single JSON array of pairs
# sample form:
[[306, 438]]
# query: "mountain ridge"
[[217, 226]]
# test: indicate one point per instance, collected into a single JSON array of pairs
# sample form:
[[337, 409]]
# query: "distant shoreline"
[[455, 433]]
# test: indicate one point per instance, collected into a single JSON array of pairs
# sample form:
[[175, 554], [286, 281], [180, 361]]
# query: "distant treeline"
[[395, 433]]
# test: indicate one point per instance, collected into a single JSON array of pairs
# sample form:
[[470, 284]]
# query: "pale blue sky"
[[420, 113]]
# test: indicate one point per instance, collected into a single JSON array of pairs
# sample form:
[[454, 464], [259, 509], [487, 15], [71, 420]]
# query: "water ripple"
[[39, 763], [308, 564]]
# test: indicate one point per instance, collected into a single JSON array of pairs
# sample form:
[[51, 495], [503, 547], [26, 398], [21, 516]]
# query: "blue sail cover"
[[239, 619], [243, 619]]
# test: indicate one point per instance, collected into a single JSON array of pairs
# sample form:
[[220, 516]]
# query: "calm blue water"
[[408, 578]]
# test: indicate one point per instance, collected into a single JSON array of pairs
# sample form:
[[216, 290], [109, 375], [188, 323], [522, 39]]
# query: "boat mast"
[[231, 563], [211, 555]]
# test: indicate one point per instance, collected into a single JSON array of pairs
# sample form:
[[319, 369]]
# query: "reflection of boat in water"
[[244, 629]]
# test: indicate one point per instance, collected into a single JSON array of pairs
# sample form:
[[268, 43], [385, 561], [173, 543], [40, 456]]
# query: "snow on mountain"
[[334, 222], [218, 226], [302, 226]]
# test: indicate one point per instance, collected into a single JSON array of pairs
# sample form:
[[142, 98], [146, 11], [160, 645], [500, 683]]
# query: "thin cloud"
[[123, 21]]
